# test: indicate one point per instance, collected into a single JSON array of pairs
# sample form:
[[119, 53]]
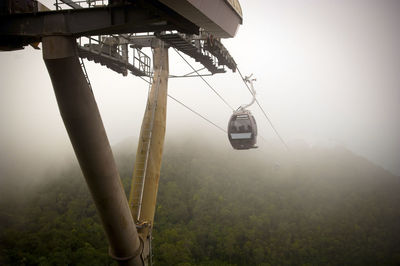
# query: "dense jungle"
[[306, 206]]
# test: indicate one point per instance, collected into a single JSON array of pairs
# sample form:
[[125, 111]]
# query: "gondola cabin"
[[242, 130]]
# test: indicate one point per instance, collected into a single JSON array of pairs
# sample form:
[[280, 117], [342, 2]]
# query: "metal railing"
[[76, 4], [110, 46]]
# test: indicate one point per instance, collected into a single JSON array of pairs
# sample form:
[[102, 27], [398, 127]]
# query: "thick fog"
[[328, 73]]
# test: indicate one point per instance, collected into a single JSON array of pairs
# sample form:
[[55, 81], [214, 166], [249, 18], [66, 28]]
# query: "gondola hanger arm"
[[249, 80]]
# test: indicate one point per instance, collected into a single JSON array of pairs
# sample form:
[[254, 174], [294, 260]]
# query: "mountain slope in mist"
[[216, 206]]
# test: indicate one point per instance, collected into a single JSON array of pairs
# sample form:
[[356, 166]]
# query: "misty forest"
[[306, 171], [306, 206]]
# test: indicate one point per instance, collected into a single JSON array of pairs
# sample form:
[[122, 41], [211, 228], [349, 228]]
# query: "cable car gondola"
[[242, 130], [242, 127]]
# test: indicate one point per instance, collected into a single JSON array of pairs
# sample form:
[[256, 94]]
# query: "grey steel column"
[[85, 128]]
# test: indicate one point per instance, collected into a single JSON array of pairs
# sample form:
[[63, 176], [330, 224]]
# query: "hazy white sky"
[[328, 73]]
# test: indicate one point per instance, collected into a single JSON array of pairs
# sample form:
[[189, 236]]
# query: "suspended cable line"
[[207, 120], [198, 74], [196, 113], [262, 109]]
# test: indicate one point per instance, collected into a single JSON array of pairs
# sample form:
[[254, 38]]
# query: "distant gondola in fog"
[[242, 126], [242, 130]]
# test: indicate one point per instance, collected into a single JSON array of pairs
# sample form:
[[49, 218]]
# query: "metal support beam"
[[93, 21], [143, 195], [85, 128], [18, 30]]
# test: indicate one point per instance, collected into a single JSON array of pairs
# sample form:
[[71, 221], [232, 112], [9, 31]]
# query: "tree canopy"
[[312, 206]]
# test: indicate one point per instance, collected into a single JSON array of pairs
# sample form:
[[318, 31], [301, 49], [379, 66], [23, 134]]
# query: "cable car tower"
[[113, 33]]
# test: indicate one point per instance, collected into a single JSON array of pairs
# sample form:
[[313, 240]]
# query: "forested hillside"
[[307, 206]]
